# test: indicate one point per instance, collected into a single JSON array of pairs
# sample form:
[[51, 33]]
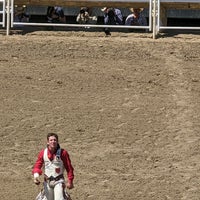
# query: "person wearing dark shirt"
[[112, 16], [55, 14]]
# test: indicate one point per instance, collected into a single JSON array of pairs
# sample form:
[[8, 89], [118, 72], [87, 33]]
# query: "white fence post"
[[8, 18], [154, 16]]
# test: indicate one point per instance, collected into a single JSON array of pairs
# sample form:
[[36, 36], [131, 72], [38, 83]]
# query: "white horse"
[[42, 196]]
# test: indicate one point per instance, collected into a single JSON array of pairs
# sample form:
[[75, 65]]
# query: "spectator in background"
[[20, 14], [136, 18], [112, 16], [85, 18], [55, 14]]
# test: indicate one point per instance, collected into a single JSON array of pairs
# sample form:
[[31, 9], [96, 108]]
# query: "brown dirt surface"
[[126, 108]]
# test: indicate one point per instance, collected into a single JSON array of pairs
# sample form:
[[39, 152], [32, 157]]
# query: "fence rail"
[[191, 4], [101, 3]]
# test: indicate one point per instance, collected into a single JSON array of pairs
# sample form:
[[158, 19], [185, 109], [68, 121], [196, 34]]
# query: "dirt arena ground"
[[126, 107]]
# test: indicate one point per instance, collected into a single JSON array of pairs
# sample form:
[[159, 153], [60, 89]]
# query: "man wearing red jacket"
[[55, 161]]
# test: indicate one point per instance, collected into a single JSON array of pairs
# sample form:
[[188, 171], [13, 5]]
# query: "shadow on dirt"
[[175, 33]]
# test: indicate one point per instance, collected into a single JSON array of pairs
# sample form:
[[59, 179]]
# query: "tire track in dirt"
[[181, 125]]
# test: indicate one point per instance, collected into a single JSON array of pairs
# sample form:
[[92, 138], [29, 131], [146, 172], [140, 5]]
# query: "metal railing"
[[154, 17], [165, 27], [149, 27]]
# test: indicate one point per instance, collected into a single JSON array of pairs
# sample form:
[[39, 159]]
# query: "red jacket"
[[37, 168]]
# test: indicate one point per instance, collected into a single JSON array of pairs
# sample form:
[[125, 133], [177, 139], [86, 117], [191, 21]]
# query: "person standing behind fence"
[[112, 16], [20, 14], [55, 14], [84, 17], [136, 18]]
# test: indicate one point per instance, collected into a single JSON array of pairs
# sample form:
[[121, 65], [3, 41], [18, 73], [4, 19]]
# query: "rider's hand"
[[36, 179], [70, 185]]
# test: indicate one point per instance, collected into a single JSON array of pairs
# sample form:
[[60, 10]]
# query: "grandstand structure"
[[157, 11], [89, 3]]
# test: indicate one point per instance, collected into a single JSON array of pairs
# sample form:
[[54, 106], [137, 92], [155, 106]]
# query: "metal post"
[[154, 19], [8, 18], [150, 15], [12, 10], [4, 8], [158, 17]]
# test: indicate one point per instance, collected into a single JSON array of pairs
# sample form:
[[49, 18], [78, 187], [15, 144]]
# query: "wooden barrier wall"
[[88, 3], [178, 4]]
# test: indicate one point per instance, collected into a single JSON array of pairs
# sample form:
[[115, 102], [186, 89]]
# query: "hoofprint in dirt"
[[126, 108]]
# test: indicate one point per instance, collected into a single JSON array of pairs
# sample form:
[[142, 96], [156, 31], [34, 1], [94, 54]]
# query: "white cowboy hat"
[[104, 9], [139, 9]]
